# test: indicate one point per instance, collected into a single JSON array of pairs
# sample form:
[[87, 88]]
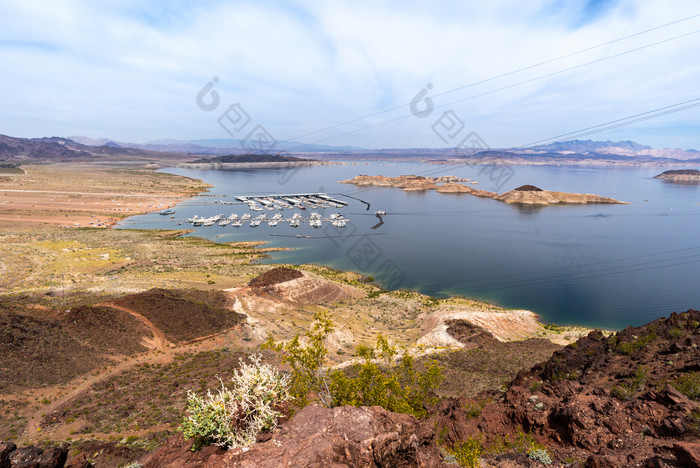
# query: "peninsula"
[[523, 195]]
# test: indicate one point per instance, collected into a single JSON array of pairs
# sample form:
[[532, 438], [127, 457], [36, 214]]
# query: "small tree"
[[234, 417], [396, 387], [374, 381], [307, 361]]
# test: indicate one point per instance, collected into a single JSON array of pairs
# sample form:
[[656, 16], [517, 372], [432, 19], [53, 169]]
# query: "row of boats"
[[314, 220], [280, 202]]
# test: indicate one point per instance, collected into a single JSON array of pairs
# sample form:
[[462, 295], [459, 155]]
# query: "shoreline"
[[46, 195], [452, 296]]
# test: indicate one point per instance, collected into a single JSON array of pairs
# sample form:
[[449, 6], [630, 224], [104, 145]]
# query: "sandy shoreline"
[[64, 196], [26, 202]]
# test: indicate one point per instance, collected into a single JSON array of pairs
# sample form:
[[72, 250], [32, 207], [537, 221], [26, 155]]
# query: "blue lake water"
[[598, 265]]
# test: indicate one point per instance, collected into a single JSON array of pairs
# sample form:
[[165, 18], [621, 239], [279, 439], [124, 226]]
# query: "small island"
[[250, 161], [524, 195], [681, 176]]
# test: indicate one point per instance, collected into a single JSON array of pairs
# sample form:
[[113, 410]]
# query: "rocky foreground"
[[681, 176], [523, 195], [630, 399]]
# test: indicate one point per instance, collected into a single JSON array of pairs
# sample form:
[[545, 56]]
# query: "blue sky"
[[131, 70]]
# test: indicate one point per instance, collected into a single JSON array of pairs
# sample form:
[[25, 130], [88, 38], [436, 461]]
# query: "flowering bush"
[[233, 417]]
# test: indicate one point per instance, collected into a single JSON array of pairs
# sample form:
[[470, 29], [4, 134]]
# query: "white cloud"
[[131, 70]]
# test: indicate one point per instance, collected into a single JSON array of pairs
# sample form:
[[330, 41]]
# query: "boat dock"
[[291, 200], [277, 202]]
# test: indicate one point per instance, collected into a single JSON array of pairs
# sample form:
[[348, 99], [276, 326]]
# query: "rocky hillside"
[[630, 399], [57, 149]]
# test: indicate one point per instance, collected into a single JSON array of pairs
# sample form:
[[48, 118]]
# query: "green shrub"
[[307, 361], [689, 385], [233, 417], [399, 388], [694, 419], [627, 391], [473, 410], [540, 455], [627, 347], [468, 452]]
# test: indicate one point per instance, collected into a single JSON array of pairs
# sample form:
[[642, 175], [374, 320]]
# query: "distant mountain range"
[[215, 146], [620, 148], [61, 149]]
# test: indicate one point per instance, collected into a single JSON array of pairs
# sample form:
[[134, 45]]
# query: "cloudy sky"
[[131, 70]]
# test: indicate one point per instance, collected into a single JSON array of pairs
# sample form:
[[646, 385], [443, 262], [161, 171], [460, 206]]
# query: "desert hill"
[[57, 149], [630, 399]]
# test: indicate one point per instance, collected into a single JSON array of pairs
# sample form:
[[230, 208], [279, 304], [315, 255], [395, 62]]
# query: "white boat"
[[273, 222], [233, 216], [225, 222], [245, 217], [237, 223]]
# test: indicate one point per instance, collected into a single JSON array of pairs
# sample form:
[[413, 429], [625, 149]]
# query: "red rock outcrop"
[[320, 437], [611, 401]]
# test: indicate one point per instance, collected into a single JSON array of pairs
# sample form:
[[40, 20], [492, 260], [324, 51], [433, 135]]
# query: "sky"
[[345, 73]]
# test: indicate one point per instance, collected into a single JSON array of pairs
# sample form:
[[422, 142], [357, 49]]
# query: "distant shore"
[[253, 165]]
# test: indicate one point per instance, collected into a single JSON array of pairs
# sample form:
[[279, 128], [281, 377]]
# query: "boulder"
[[320, 437], [688, 454], [34, 457]]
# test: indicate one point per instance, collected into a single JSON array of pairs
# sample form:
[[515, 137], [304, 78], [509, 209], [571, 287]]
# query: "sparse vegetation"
[[233, 417], [540, 455], [689, 385], [626, 391], [373, 381], [637, 343], [467, 452]]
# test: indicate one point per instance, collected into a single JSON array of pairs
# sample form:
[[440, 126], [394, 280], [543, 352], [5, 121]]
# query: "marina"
[[260, 203]]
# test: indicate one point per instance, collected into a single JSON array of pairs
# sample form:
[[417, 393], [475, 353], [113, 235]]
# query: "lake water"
[[600, 265]]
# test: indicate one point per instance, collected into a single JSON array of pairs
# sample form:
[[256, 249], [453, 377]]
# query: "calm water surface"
[[599, 265]]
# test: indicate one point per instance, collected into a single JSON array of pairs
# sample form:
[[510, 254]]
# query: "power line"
[[605, 125], [520, 83], [621, 122], [513, 72]]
